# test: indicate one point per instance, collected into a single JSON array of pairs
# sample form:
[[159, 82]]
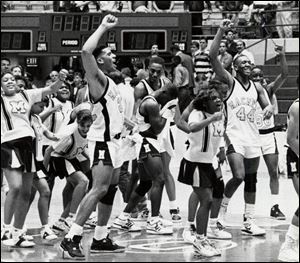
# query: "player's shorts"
[[248, 152], [63, 168], [149, 146], [107, 152], [268, 143], [41, 171], [292, 162], [18, 154], [197, 174]]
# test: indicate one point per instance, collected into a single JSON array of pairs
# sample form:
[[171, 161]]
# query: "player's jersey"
[[110, 114], [240, 108], [15, 111], [148, 88], [59, 120], [142, 122], [73, 146], [260, 122], [205, 143]]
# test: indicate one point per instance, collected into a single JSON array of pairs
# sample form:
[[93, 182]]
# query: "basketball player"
[[242, 136], [206, 124], [17, 153], [266, 130], [146, 87], [151, 123], [289, 251], [104, 143]]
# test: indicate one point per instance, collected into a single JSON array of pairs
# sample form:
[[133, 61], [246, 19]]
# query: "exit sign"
[[31, 62]]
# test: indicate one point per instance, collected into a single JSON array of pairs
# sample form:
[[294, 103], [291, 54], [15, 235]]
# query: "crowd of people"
[[87, 128]]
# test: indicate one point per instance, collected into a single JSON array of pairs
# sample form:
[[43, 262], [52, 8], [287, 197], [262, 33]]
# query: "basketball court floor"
[[142, 247]]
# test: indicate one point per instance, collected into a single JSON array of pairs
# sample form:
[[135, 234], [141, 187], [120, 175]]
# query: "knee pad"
[[218, 189], [297, 212], [143, 187], [108, 199], [250, 183]]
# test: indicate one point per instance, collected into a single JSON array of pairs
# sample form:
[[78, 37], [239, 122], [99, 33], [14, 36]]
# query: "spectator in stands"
[[17, 70], [230, 9], [180, 74], [111, 6], [241, 48], [5, 6], [230, 43], [153, 53], [54, 75], [196, 6], [201, 60], [138, 6], [5, 65], [76, 86], [224, 57], [186, 61], [28, 76], [284, 18], [163, 6]]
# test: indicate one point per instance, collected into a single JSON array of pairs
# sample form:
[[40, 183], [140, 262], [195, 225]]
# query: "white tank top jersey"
[[143, 124], [59, 120], [205, 143], [110, 114], [15, 111], [148, 88], [240, 109], [260, 122], [73, 146]]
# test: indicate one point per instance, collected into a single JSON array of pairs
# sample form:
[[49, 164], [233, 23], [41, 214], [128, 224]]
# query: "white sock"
[[124, 215], [212, 222], [46, 227], [100, 232], [154, 218], [173, 205], [75, 230], [293, 232], [16, 232], [6, 226], [71, 215], [189, 223], [275, 199], [249, 210]]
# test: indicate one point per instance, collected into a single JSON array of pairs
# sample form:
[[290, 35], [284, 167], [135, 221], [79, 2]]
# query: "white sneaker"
[[165, 222], [6, 234], [18, 241], [218, 232], [251, 229], [203, 248], [69, 221], [48, 234], [217, 252], [60, 226], [175, 215], [289, 251], [126, 224], [25, 236], [142, 216], [92, 221], [156, 227], [189, 234]]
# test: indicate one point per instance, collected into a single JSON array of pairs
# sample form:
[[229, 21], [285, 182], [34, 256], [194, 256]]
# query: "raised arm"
[[293, 128], [279, 81], [96, 78], [218, 68]]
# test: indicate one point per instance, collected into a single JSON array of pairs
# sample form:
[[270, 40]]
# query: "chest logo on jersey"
[[147, 148], [236, 102], [18, 107], [218, 129], [81, 150]]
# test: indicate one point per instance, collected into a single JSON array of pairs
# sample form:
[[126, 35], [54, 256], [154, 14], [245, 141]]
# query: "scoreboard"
[[43, 34]]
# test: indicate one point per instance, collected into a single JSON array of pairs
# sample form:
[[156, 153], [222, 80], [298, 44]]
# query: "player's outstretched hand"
[[226, 24]]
